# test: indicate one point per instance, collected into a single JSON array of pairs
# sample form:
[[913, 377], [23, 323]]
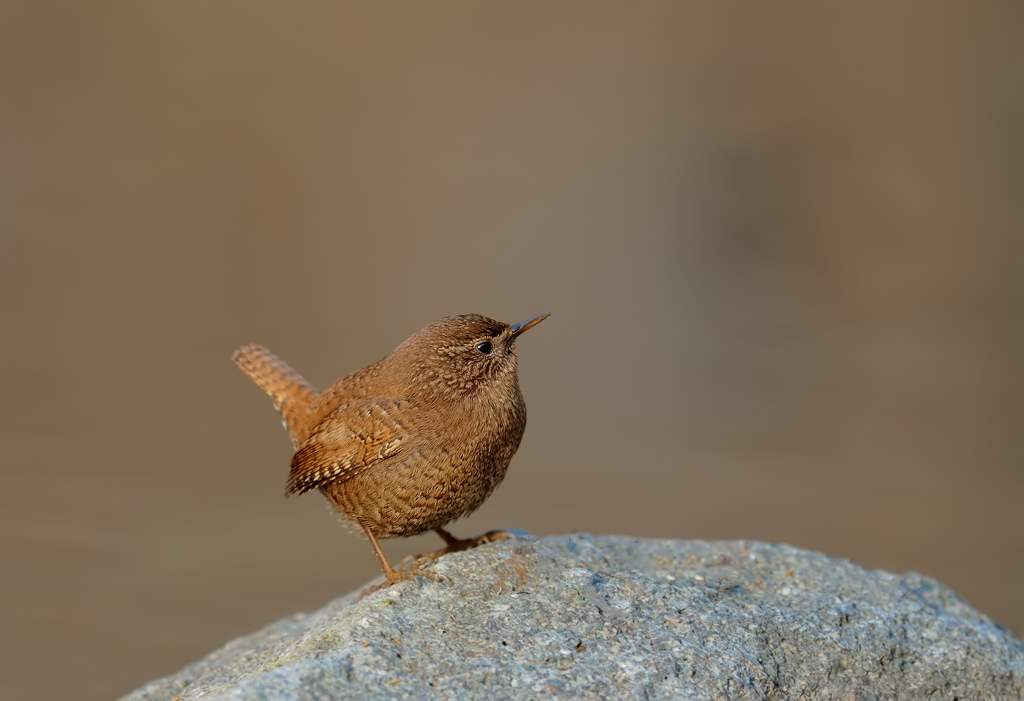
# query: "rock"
[[610, 617]]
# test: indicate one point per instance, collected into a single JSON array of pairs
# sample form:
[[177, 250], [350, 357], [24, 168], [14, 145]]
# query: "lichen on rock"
[[584, 616]]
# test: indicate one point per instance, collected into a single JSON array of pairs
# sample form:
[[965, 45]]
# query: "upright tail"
[[291, 393]]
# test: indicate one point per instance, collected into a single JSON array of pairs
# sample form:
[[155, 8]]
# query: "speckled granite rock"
[[609, 617]]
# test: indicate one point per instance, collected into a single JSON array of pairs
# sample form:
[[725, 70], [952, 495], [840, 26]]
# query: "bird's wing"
[[354, 437]]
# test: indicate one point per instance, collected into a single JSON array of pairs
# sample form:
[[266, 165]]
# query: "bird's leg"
[[454, 544], [391, 575]]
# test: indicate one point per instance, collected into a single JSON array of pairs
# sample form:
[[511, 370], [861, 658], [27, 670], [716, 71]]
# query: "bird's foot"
[[455, 545], [403, 575]]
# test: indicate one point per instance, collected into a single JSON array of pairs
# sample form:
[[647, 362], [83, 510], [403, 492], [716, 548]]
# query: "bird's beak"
[[526, 325]]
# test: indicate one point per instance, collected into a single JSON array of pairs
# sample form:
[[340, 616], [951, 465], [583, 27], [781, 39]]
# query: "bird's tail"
[[291, 393]]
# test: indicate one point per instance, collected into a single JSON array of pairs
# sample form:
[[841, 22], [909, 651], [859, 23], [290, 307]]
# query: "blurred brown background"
[[782, 246]]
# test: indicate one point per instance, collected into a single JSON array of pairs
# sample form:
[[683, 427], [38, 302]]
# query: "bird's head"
[[459, 355]]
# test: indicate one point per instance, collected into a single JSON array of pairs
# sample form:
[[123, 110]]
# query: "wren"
[[412, 442]]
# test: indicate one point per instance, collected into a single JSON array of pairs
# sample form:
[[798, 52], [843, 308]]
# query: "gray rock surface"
[[610, 617]]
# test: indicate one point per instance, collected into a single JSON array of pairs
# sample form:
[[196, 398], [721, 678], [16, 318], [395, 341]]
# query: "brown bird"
[[416, 440]]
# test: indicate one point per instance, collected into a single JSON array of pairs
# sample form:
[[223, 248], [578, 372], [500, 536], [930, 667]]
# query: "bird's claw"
[[457, 546], [402, 575]]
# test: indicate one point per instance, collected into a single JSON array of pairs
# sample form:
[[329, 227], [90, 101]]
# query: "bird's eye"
[[484, 347]]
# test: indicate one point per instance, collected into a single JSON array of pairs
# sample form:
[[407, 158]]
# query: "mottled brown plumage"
[[412, 442]]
